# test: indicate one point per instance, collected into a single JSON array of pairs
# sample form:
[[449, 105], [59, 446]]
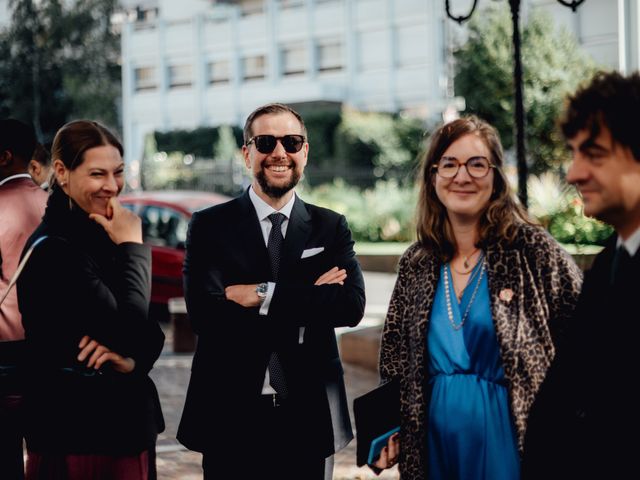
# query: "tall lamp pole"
[[518, 88]]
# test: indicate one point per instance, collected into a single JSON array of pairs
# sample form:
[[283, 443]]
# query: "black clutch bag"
[[377, 415]]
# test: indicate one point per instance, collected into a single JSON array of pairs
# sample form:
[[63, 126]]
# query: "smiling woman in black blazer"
[[93, 411]]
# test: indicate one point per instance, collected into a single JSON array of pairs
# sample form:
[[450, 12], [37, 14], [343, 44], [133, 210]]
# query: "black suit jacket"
[[76, 283], [225, 246], [587, 406]]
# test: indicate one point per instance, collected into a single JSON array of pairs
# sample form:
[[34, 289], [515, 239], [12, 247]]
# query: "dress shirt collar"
[[263, 209], [632, 243], [13, 177]]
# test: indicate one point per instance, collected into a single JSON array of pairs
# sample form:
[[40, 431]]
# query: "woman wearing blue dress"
[[481, 299]]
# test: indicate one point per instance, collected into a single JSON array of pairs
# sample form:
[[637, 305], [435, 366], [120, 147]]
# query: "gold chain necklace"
[[469, 281], [465, 263], [466, 259], [473, 297]]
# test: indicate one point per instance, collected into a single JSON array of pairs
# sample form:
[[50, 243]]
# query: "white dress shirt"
[[632, 243], [263, 210]]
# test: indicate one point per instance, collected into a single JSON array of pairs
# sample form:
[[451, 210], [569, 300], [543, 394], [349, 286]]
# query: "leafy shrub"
[[382, 213]]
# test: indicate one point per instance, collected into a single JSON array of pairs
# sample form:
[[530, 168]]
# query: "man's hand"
[[244, 295], [332, 276]]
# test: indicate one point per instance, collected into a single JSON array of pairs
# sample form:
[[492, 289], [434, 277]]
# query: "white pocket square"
[[310, 252]]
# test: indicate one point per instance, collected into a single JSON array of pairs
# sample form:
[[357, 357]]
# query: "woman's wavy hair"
[[501, 217]]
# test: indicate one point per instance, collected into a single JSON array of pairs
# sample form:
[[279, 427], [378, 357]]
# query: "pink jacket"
[[22, 205]]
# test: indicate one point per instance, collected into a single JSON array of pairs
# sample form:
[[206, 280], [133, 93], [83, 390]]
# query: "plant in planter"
[[572, 226], [559, 209]]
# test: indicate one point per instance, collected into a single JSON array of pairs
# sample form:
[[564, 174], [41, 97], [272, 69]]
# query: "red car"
[[165, 218]]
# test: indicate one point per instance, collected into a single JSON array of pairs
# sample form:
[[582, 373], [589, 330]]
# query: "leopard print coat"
[[544, 282]]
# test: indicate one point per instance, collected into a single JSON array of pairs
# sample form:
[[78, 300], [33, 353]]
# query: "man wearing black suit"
[[267, 279], [584, 423]]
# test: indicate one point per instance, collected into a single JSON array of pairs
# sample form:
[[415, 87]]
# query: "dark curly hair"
[[612, 100]]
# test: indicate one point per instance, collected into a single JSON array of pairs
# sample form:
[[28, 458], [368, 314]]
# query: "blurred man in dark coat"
[[584, 422]]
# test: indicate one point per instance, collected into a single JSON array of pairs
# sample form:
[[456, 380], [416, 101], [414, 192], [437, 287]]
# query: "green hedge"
[[199, 142]]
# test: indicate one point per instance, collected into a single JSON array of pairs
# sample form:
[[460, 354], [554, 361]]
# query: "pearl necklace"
[[473, 297]]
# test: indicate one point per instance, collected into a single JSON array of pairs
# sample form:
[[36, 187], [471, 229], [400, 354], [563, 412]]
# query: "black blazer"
[[76, 283], [225, 246], [587, 406]]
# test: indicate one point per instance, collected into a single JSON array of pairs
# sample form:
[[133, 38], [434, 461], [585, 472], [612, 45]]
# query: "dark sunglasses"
[[267, 143]]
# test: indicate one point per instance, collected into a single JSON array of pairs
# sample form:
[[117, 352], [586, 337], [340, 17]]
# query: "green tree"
[[92, 73], [59, 61], [381, 143], [553, 66]]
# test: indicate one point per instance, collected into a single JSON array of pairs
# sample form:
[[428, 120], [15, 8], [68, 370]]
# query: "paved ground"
[[171, 375], [174, 462]]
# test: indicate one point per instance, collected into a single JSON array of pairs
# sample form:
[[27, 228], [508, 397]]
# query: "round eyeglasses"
[[266, 144], [477, 167]]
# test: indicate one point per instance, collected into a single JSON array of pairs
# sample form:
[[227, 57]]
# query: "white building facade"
[[194, 62], [606, 29]]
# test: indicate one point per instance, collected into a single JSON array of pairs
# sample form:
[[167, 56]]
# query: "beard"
[[275, 191]]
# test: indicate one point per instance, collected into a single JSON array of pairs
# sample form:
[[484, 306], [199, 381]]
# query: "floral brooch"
[[506, 294]]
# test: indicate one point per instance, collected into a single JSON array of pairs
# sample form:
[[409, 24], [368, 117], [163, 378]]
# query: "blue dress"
[[470, 434]]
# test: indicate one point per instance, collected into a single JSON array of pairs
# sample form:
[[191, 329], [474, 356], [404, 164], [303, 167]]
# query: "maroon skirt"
[[83, 467]]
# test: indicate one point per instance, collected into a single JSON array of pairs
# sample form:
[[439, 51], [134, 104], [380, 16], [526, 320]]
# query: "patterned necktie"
[[274, 246]]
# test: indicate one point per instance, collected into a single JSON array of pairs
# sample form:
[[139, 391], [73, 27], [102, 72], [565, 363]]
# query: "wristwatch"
[[261, 291]]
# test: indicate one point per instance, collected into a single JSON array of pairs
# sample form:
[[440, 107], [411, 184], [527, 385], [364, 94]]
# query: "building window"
[[219, 72], [294, 60], [143, 18], [148, 14], [284, 4], [254, 68], [251, 7], [330, 57], [145, 79], [179, 76]]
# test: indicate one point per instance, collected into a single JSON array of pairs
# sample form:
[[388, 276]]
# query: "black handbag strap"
[[21, 265]]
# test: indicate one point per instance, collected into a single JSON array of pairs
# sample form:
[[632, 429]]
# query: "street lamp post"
[[518, 87], [521, 159]]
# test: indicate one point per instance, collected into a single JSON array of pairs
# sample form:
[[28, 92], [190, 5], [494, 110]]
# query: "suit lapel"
[[298, 232], [250, 239]]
